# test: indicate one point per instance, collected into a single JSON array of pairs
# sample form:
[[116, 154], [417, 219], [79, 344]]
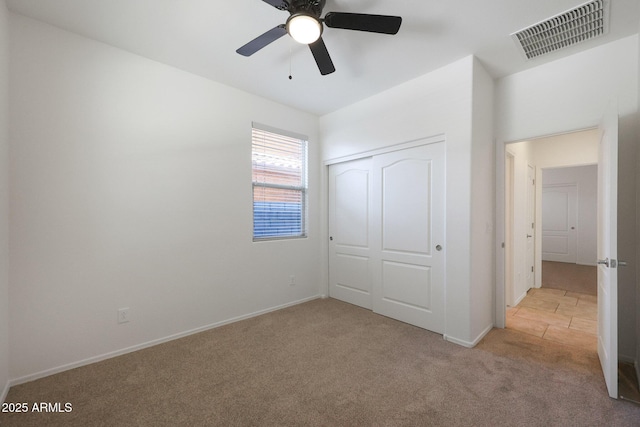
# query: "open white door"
[[608, 250], [531, 229]]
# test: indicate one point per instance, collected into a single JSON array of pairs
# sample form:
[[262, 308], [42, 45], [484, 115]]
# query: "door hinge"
[[532, 268]]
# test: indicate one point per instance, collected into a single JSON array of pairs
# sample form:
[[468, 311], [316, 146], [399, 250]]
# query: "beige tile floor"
[[553, 314]]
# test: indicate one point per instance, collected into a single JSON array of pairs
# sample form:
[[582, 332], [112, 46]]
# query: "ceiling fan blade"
[[321, 55], [261, 41], [384, 24]]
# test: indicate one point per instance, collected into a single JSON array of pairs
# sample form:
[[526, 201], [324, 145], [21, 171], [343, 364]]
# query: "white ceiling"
[[201, 36]]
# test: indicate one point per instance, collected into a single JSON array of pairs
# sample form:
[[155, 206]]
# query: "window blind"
[[279, 164]]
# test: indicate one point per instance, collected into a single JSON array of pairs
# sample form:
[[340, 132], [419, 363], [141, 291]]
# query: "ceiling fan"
[[305, 26]]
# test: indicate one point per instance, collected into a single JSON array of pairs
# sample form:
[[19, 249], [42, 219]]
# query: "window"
[[279, 162]]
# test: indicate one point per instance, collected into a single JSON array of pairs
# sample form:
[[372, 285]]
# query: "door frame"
[[434, 139], [509, 227], [440, 137], [500, 231], [387, 149], [531, 219], [607, 307]]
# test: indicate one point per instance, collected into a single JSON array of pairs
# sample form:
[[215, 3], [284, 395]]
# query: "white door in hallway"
[[407, 235], [349, 242], [608, 250], [559, 221], [531, 218]]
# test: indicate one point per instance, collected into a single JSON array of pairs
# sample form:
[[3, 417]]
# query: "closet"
[[387, 234]]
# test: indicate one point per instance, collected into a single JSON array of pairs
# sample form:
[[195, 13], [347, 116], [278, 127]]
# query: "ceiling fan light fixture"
[[304, 28]]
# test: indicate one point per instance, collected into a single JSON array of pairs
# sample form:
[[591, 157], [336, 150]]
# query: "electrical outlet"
[[292, 280], [123, 315]]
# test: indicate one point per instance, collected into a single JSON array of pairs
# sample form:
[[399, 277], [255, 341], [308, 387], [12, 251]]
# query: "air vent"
[[574, 26]]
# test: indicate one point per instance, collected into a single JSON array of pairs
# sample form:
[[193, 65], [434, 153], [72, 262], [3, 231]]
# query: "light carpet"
[[329, 363]]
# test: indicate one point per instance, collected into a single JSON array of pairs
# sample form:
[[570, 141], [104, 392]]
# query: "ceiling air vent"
[[579, 24]]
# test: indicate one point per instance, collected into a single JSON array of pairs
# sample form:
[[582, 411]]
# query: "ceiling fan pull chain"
[[290, 60]]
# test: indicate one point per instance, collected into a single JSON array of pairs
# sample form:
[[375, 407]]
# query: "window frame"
[[303, 189]]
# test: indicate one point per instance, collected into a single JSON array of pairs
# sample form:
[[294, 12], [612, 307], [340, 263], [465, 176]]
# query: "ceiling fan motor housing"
[[307, 7]]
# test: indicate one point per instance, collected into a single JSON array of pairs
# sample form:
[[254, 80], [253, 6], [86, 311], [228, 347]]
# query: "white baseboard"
[[94, 359], [5, 392], [520, 298], [469, 344]]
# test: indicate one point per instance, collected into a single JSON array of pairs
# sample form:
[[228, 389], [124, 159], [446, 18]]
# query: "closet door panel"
[[349, 213], [407, 236]]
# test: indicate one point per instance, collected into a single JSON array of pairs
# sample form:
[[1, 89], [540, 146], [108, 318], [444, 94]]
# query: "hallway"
[[558, 315], [564, 309]]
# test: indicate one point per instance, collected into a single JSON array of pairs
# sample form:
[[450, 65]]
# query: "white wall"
[[572, 94], [440, 102], [116, 161], [131, 185], [482, 201], [586, 180], [4, 206], [568, 94]]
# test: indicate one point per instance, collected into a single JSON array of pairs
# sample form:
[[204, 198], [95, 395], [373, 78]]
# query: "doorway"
[[541, 236], [569, 228], [607, 158], [580, 148]]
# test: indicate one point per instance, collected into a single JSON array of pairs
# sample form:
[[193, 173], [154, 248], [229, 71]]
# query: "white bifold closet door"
[[386, 222]]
